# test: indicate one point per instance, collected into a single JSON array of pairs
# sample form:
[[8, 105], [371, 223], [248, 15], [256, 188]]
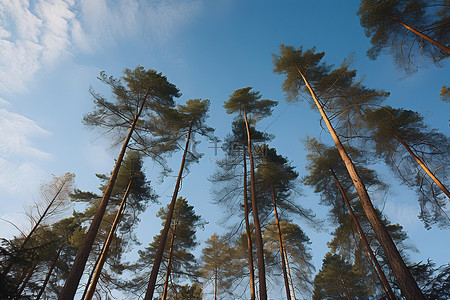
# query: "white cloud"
[[37, 33]]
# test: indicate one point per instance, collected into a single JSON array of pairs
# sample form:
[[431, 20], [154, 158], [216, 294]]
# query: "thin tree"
[[397, 129], [146, 91], [196, 112], [407, 28], [242, 101], [296, 65]]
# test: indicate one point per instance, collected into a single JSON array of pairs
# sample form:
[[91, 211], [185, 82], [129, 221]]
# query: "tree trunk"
[[423, 166], [49, 274], [88, 282], [258, 235], [25, 281], [347, 294], [405, 280], [215, 284], [73, 279], [248, 230], [379, 272], [103, 255], [165, 232], [424, 36], [169, 262], [289, 273], [280, 242]]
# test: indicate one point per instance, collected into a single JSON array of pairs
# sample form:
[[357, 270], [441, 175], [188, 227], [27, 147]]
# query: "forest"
[[83, 244]]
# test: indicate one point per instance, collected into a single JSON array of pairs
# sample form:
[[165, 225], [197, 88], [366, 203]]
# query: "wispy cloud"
[[37, 33], [18, 156]]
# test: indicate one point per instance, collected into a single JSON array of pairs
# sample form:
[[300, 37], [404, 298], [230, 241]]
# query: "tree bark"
[[289, 273], [169, 262], [164, 233], [406, 281], [424, 36], [49, 274], [280, 242], [258, 235], [423, 166], [103, 255], [347, 294], [379, 272], [25, 281], [248, 231], [73, 279]]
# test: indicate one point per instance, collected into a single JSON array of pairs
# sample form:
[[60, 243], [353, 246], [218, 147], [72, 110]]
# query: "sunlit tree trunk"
[[379, 272], [165, 232], [423, 36], [25, 281], [258, 234], [423, 166], [169, 263], [404, 278], [347, 294], [73, 279], [289, 273], [248, 230], [49, 274], [280, 242], [103, 255]]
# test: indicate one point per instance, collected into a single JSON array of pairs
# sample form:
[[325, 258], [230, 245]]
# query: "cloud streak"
[[35, 34]]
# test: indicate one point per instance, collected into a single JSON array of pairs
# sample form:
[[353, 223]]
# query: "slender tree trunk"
[[249, 232], [215, 284], [423, 166], [94, 267], [424, 36], [258, 235], [280, 242], [165, 232], [25, 281], [36, 225], [405, 280], [379, 272], [347, 294], [49, 274], [73, 279], [289, 273], [103, 255], [169, 262]]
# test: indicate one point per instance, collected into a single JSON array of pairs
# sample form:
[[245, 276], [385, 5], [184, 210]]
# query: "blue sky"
[[51, 52]]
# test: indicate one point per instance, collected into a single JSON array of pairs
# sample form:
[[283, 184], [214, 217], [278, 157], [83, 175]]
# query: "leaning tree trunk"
[[169, 263], [259, 241], [405, 280], [248, 230], [423, 166], [73, 279], [280, 242], [289, 273], [347, 294], [25, 282], [424, 36], [165, 232], [36, 225], [103, 255], [49, 274], [379, 272]]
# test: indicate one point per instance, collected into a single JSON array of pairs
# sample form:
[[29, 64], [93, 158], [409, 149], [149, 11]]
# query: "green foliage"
[[378, 18], [341, 95], [296, 244], [252, 102], [336, 276], [183, 265], [217, 264], [386, 126], [445, 94]]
